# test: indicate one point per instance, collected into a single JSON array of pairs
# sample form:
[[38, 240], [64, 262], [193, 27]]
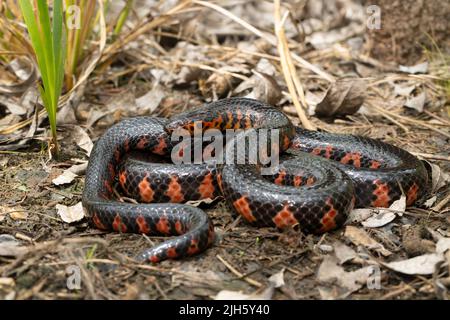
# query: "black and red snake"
[[305, 189]]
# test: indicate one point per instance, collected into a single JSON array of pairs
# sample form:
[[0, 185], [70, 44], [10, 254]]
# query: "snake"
[[318, 179]]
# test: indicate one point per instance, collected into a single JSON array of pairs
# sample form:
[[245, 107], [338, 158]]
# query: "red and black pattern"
[[305, 190]]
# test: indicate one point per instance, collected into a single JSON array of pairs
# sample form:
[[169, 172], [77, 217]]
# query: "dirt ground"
[[43, 257], [243, 259]]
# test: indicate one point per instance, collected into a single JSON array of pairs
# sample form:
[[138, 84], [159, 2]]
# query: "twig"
[[431, 156], [417, 122], [394, 293], [237, 273], [442, 203], [383, 114], [290, 74], [268, 37], [143, 28]]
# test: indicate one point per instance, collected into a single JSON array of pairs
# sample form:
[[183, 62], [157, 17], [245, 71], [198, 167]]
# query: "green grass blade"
[[47, 40], [33, 30], [59, 46], [49, 44]]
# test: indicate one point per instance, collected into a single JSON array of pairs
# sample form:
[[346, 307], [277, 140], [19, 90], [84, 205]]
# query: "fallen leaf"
[[83, 139], [79, 168], [66, 115], [216, 86], [70, 214], [430, 202], [418, 68], [399, 205], [3, 212], [25, 70], [417, 102], [7, 282], [331, 271], [326, 39], [385, 216], [151, 100], [196, 203], [424, 264], [9, 246], [265, 66], [442, 245], [326, 248], [265, 88], [4, 162], [343, 252], [359, 215], [14, 107], [8, 238], [238, 295], [360, 237], [277, 279], [18, 214], [438, 177], [405, 91], [66, 177], [343, 97]]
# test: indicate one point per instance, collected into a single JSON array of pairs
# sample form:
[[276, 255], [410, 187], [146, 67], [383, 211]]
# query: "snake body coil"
[[305, 189]]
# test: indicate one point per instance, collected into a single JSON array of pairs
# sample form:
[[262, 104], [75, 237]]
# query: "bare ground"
[[177, 68]]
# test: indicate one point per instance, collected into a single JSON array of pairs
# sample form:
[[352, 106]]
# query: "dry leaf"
[[343, 252], [15, 213], [216, 86], [66, 115], [14, 107], [18, 214], [3, 212], [238, 295], [344, 97], [385, 216], [430, 202], [438, 177], [424, 264], [9, 246], [196, 203], [360, 214], [331, 271], [83, 139], [151, 100], [418, 68], [4, 162], [417, 103], [403, 90], [442, 245], [265, 88], [25, 70], [70, 214], [277, 279], [7, 282], [326, 248], [380, 219], [66, 177], [360, 237], [79, 168]]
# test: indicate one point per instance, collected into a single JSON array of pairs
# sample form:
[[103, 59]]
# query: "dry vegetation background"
[[317, 61]]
